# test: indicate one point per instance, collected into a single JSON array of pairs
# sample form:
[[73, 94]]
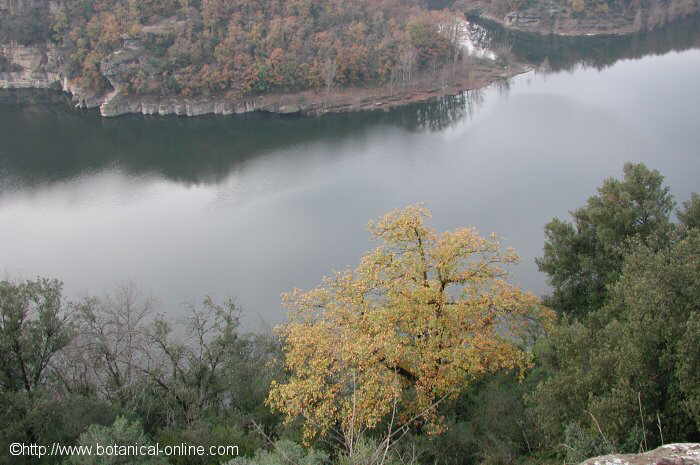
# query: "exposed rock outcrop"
[[670, 454], [35, 66], [41, 67]]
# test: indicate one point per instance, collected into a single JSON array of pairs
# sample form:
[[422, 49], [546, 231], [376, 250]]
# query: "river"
[[250, 207]]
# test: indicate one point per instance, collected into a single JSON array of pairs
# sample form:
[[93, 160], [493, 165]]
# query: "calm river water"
[[251, 207]]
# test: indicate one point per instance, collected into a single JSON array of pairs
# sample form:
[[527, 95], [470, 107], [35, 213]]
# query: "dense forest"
[[241, 48], [425, 353]]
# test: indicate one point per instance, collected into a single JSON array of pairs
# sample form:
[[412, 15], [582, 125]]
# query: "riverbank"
[[41, 66], [34, 69], [194, 60], [314, 103]]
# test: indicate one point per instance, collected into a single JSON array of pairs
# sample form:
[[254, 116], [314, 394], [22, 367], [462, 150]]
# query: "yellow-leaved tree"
[[421, 317]]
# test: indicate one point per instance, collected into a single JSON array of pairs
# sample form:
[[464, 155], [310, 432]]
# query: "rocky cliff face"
[[40, 67], [133, 56], [671, 454], [35, 66]]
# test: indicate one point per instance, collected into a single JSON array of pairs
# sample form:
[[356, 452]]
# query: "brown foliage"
[[255, 46]]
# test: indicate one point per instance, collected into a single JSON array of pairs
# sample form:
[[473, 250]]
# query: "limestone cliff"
[[30, 66], [40, 67], [37, 65]]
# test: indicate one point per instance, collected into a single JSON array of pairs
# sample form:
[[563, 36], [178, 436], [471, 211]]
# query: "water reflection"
[[439, 114], [254, 206], [44, 143], [559, 53]]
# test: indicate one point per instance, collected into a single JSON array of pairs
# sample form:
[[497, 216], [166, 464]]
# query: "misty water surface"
[[250, 207]]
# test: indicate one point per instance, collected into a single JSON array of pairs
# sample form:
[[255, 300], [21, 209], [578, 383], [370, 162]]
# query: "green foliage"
[[487, 425], [368, 451], [501, 429], [33, 329], [619, 369], [45, 418], [34, 332], [630, 365], [218, 434], [581, 443], [491, 426], [58, 375], [689, 215], [431, 45], [122, 433], [582, 258], [688, 367], [283, 452]]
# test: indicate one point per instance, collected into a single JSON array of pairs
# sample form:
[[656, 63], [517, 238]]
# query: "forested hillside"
[[213, 56], [242, 47]]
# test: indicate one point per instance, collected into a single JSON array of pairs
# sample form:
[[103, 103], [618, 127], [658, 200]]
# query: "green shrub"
[[581, 444], [121, 432], [284, 452]]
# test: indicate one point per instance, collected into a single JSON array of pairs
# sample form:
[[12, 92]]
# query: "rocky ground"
[[670, 454]]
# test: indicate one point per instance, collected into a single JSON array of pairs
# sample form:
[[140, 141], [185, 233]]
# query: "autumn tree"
[[422, 317], [243, 48]]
